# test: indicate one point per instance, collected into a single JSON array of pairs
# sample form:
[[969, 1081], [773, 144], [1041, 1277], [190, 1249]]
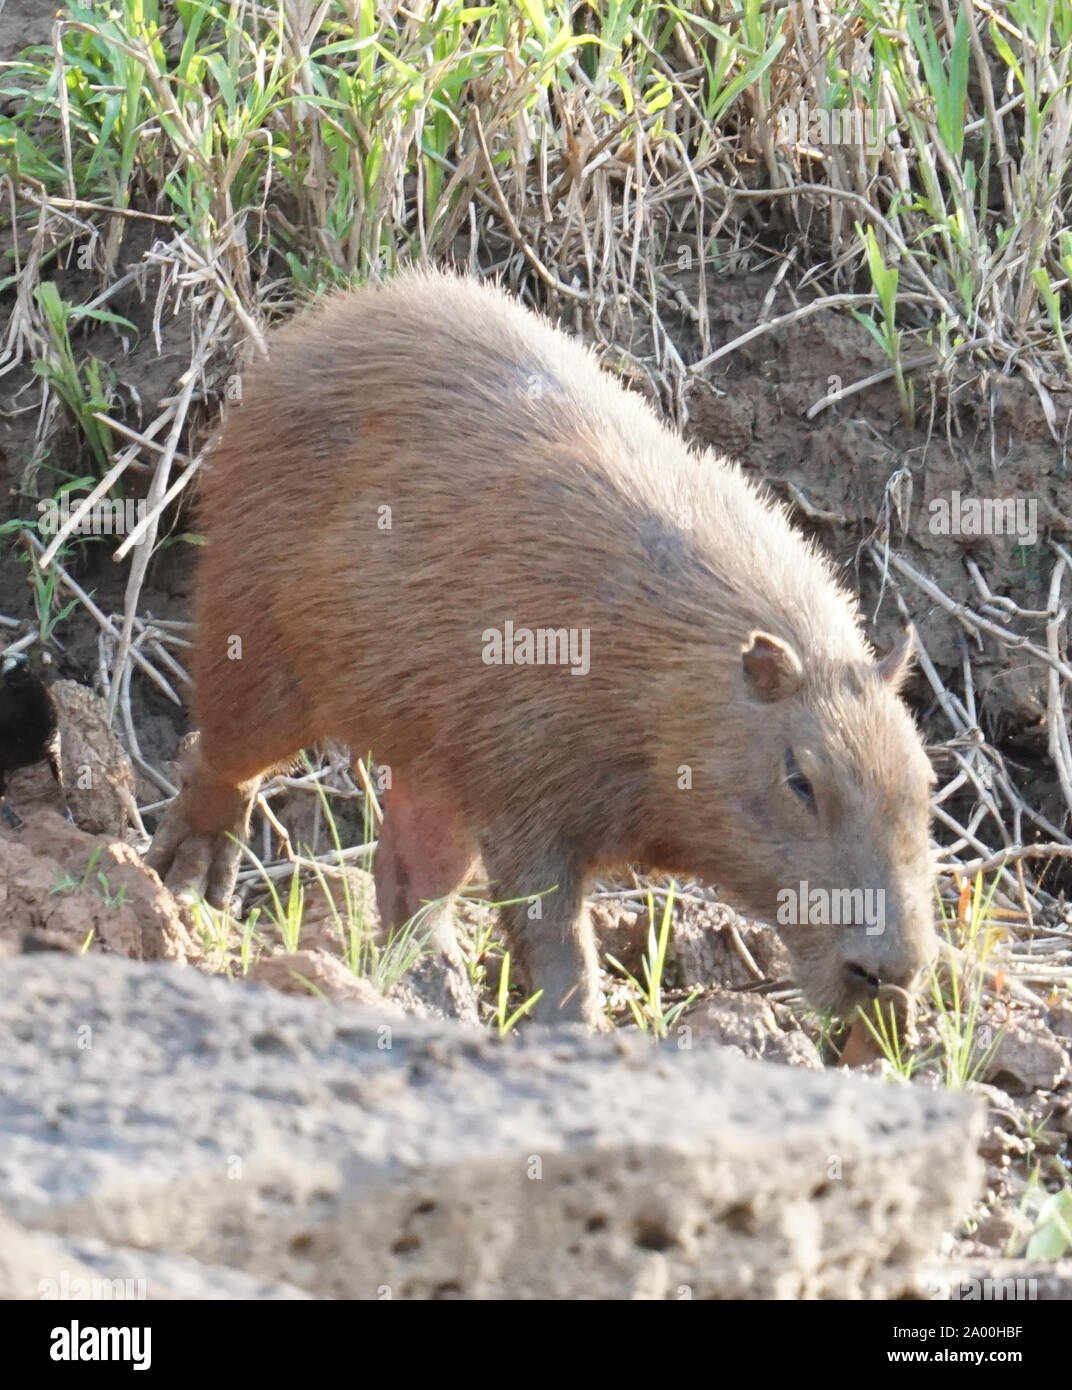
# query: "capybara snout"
[[437, 530]]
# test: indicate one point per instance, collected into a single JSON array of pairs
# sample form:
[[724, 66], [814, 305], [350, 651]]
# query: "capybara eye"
[[798, 782]]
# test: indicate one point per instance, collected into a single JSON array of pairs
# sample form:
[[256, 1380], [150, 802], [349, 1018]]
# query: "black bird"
[[29, 732]]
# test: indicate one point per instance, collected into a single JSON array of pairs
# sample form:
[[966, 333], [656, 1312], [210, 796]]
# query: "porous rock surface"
[[293, 1145]]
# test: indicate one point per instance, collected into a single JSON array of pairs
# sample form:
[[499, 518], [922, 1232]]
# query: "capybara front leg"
[[550, 932]]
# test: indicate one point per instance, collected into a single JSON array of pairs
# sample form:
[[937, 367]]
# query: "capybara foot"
[[569, 1000], [198, 845], [196, 864]]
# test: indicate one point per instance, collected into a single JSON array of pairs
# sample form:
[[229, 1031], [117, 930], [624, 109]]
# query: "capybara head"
[[831, 805]]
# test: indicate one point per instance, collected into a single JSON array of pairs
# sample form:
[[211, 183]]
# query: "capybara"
[[436, 529]]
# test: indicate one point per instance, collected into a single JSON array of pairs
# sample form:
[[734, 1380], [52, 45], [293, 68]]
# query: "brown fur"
[[524, 484]]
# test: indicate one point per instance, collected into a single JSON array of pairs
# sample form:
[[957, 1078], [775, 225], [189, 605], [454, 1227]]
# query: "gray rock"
[[1059, 1017], [1027, 1057], [747, 1022], [437, 986], [343, 1153], [712, 944]]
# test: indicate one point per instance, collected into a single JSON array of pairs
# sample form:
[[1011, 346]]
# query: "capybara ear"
[[772, 669], [895, 665]]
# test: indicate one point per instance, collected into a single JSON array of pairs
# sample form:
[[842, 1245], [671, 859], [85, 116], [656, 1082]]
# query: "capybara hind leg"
[[197, 847], [425, 855], [550, 933]]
